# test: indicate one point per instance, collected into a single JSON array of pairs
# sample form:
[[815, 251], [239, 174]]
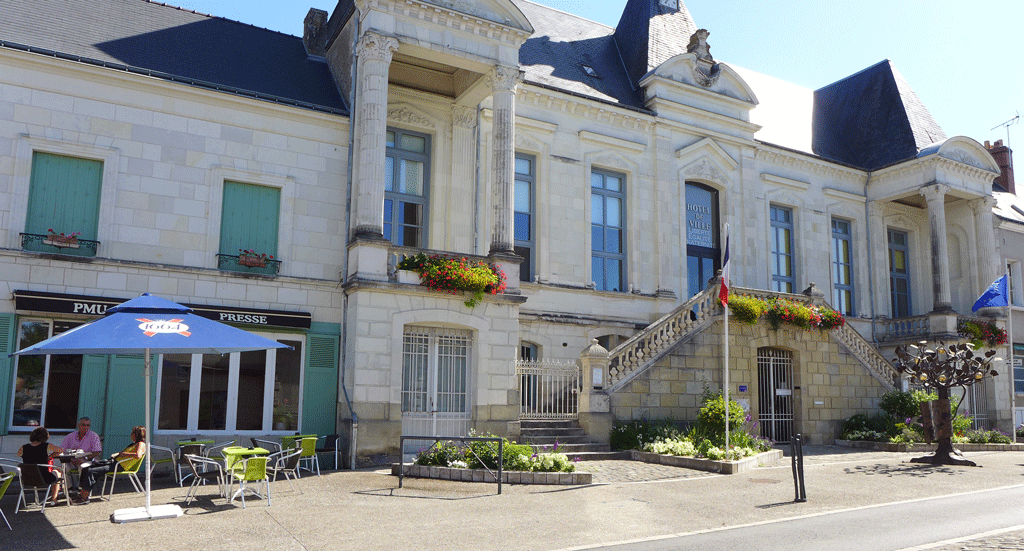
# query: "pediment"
[[503, 12], [715, 77], [707, 147], [410, 115]]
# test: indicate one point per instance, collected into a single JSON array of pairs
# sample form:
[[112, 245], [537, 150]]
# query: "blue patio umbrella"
[[152, 325]]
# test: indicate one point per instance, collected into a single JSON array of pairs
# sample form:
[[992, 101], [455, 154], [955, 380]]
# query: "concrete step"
[[601, 455], [550, 440], [539, 433], [546, 423], [572, 449]]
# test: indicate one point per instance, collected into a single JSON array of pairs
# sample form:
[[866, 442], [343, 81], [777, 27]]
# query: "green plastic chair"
[[5, 482], [126, 467], [309, 457], [167, 457], [252, 470]]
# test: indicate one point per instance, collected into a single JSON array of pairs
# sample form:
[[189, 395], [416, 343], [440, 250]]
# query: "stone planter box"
[[408, 277], [710, 465], [924, 448], [480, 475]]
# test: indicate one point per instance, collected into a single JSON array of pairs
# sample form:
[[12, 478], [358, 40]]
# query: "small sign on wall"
[[743, 388]]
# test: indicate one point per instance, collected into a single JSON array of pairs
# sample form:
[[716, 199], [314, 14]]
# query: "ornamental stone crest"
[[407, 116], [705, 70], [463, 117], [706, 170], [505, 78], [962, 156]]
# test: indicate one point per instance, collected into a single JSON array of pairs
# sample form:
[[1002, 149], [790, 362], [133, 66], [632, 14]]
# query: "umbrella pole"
[[147, 432]]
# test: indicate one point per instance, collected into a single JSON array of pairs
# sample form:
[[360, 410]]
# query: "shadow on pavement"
[[916, 470]]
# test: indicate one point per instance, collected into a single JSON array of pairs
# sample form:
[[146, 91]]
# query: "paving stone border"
[[919, 447], [721, 467], [481, 475]]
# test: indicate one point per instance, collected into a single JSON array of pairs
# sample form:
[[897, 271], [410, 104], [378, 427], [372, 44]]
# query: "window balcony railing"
[[54, 244], [248, 264]]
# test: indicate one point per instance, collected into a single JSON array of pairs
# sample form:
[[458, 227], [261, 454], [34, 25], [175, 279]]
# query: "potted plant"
[[252, 259], [456, 275], [62, 240]]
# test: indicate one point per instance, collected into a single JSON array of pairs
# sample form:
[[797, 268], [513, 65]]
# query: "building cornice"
[[582, 108], [808, 164], [448, 18]]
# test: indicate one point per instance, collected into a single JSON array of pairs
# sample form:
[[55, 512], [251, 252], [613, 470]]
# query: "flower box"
[[252, 261], [408, 277], [61, 240]]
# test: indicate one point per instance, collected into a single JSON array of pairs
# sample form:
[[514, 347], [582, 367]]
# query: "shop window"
[[46, 388], [63, 198], [254, 392]]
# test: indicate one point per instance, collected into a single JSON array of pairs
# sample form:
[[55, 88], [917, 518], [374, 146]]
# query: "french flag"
[[723, 291]]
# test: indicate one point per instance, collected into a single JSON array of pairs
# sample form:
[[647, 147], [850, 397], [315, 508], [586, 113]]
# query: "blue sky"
[[964, 59]]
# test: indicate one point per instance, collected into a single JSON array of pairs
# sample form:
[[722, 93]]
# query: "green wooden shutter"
[[93, 390], [249, 218], [64, 195], [320, 389], [125, 401], [8, 330]]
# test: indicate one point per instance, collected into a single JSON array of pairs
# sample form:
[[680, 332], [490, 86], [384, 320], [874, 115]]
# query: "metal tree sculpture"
[[941, 369]]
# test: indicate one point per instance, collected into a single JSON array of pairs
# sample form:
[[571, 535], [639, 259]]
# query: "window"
[[435, 372], [249, 221], [64, 196], [523, 224], [1018, 368], [842, 268], [405, 188], [783, 280], [608, 248], [46, 388], [1014, 283], [899, 273], [702, 249], [256, 391], [528, 351]]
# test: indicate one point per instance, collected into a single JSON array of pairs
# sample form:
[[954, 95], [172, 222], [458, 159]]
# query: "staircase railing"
[[648, 346]]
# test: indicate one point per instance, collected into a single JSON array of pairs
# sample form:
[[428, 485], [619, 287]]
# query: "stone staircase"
[[572, 441]]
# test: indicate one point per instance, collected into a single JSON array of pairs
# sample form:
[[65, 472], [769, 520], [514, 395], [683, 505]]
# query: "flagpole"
[[1013, 361], [725, 336]]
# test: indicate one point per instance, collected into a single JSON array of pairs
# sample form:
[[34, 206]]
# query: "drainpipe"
[[344, 274]]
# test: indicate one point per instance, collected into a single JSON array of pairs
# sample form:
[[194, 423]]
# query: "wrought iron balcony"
[[248, 264], [56, 244]]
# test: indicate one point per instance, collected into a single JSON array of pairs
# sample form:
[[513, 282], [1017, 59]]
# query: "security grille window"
[[46, 388], [435, 370], [702, 248], [899, 273], [524, 233], [783, 279], [64, 196], [608, 247], [842, 268], [405, 187], [254, 392]]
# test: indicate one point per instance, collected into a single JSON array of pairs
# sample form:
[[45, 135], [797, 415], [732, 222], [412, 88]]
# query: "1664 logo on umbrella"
[[152, 327]]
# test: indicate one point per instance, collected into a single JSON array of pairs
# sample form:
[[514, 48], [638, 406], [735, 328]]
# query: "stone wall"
[[829, 384]]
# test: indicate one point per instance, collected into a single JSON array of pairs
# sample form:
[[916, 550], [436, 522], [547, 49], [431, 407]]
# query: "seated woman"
[[40, 452], [91, 472]]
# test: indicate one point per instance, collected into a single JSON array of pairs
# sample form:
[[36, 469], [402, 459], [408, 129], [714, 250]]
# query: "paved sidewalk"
[[366, 509]]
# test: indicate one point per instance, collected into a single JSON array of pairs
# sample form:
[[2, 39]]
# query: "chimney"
[[313, 32], [1004, 158]]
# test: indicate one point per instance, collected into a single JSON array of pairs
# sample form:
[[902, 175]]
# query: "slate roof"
[[173, 43], [871, 119]]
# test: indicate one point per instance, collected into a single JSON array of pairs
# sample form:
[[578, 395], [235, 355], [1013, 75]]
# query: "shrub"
[[900, 405], [881, 423], [633, 435], [711, 419], [746, 309], [441, 454]]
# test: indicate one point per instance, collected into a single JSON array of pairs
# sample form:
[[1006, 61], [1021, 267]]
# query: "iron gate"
[[548, 389], [775, 392]]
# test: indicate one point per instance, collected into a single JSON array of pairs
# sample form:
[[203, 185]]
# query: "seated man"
[[85, 440]]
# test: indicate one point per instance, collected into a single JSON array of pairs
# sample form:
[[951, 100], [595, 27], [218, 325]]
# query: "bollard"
[[797, 452]]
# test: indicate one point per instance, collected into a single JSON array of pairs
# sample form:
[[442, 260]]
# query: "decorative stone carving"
[[705, 70], [706, 170], [611, 161], [374, 46], [527, 143], [962, 156], [463, 117], [670, 4], [408, 116], [505, 78], [472, 8]]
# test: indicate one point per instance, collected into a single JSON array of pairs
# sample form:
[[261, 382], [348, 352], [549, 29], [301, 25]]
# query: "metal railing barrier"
[[463, 439]]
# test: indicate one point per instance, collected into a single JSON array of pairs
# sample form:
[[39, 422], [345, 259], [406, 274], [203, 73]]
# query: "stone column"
[[463, 171], [989, 267], [879, 303], [503, 143], [595, 415], [936, 197], [374, 51]]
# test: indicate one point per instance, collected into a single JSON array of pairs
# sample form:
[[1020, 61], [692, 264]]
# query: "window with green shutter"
[[249, 227], [63, 198]]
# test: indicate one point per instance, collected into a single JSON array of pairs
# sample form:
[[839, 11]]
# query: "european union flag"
[[995, 295]]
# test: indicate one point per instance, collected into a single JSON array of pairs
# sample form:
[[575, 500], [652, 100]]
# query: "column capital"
[[376, 46], [504, 78], [984, 204], [463, 117], [934, 192]]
